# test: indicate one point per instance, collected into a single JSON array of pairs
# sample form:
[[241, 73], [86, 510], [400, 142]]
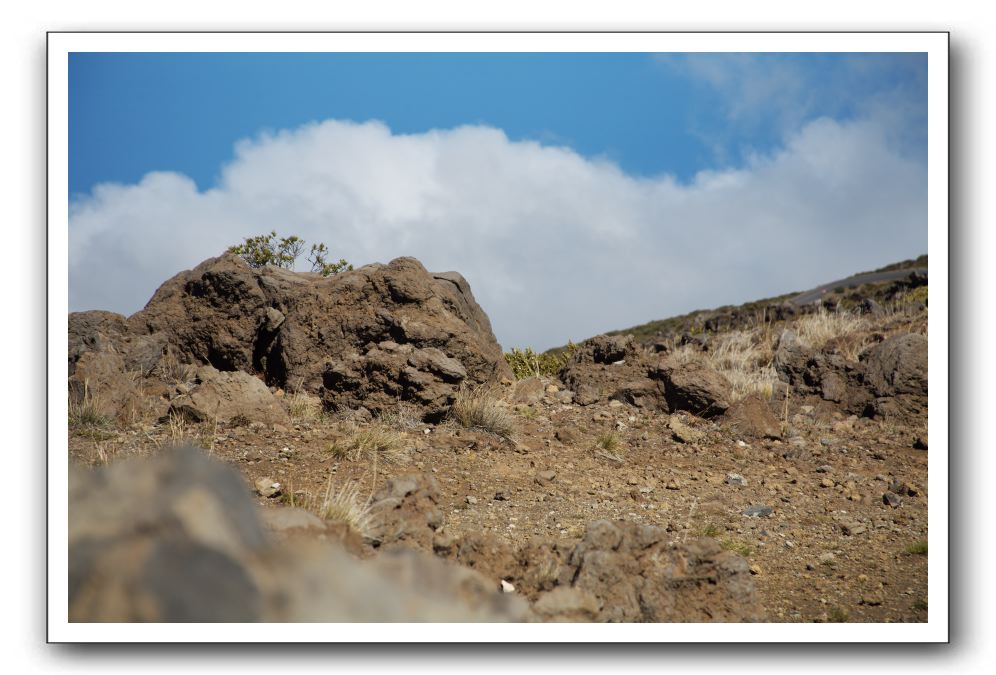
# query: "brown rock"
[[367, 338], [693, 387], [528, 391], [752, 417], [223, 396]]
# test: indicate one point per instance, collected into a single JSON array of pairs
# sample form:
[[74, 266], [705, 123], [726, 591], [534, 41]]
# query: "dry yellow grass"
[[344, 504], [303, 407], [375, 441], [482, 409], [817, 329]]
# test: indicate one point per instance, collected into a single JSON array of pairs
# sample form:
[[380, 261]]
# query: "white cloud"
[[554, 245]]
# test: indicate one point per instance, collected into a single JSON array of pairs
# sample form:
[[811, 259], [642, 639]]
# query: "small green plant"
[[320, 264], [482, 409], [738, 547], [527, 363], [918, 548], [269, 249], [839, 615], [607, 447], [711, 531]]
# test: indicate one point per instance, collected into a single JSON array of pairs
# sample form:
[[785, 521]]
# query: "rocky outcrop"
[[365, 338], [406, 510], [177, 539], [889, 379], [612, 367], [620, 571]]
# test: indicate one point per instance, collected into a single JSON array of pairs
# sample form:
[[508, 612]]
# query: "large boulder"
[[177, 539], [367, 337]]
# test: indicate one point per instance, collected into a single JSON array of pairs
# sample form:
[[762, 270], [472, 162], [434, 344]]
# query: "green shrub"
[[268, 249], [527, 363]]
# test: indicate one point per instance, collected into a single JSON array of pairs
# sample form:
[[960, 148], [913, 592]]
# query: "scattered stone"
[[920, 443], [827, 559], [851, 529], [758, 511], [755, 569], [528, 391], [735, 479], [892, 499], [267, 487], [546, 476], [506, 587], [827, 483], [672, 485], [552, 389], [565, 603], [826, 468], [566, 436], [471, 500]]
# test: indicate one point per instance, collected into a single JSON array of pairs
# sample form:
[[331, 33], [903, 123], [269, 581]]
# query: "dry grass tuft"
[[345, 505], [171, 371], [744, 358], [818, 329], [303, 407], [85, 412], [482, 409], [404, 417], [376, 441]]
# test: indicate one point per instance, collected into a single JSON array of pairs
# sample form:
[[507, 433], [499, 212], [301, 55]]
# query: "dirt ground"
[[831, 548]]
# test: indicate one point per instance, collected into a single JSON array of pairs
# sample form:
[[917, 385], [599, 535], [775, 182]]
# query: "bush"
[[268, 249], [527, 363]]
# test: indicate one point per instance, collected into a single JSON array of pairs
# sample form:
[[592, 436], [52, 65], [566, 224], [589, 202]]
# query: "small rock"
[[827, 559], [758, 511], [280, 428], [826, 468], [755, 569], [500, 497], [615, 404], [920, 443], [507, 587], [892, 499], [851, 529], [646, 490], [672, 485], [806, 409], [684, 433], [552, 389], [566, 436], [735, 479], [267, 487], [827, 483], [471, 500], [546, 476]]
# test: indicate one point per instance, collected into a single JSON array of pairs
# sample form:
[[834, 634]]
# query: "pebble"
[[267, 487], [850, 529], [892, 499], [755, 569], [546, 476], [735, 479], [672, 485], [507, 587], [827, 483], [758, 511], [471, 500], [826, 468]]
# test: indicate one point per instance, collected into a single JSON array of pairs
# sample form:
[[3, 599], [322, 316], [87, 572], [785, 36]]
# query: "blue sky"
[[618, 154]]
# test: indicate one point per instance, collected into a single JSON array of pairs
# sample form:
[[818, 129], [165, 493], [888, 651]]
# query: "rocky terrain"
[[366, 453]]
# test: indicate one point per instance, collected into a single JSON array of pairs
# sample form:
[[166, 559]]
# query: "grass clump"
[[483, 410], [711, 530], [607, 446], [818, 329], [84, 411], [376, 441], [918, 548], [345, 505], [303, 407], [403, 417], [738, 547], [527, 363]]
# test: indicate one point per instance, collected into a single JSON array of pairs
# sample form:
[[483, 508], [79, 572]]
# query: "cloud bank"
[[555, 245]]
